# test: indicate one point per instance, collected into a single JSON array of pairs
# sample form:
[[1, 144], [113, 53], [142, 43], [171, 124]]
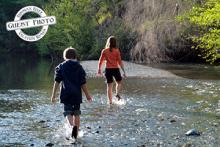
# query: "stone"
[[49, 144], [192, 132], [42, 121], [173, 120]]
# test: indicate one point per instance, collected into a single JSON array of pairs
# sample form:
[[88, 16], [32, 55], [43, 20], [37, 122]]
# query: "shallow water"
[[156, 111]]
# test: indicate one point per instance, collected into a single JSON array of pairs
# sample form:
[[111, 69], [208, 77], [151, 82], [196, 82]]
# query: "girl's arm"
[[121, 63], [101, 59], [122, 67]]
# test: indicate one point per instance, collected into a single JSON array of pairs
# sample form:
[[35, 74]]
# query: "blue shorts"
[[72, 110]]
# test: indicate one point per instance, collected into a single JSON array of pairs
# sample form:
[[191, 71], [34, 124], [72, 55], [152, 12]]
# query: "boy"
[[72, 78]]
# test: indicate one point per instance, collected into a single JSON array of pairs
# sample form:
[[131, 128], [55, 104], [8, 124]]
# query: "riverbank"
[[132, 70]]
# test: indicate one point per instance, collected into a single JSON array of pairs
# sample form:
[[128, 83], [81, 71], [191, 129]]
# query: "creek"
[[160, 104]]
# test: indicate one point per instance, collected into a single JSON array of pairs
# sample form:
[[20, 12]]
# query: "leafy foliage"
[[73, 28], [204, 20], [9, 41], [84, 25]]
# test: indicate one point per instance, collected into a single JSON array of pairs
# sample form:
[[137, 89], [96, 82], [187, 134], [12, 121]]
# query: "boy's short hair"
[[69, 53]]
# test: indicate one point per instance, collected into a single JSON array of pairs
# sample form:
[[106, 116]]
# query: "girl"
[[111, 55]]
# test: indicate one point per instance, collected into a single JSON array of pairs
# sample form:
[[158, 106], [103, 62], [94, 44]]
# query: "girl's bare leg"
[[118, 87], [109, 92]]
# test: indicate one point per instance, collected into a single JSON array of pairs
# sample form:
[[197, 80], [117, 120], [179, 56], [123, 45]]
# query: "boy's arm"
[[85, 90], [55, 87]]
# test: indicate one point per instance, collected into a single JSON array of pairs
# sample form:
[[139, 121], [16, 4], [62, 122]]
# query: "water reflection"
[[24, 72], [192, 71]]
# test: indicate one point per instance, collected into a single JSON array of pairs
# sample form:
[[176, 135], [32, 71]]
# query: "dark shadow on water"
[[15, 144], [24, 72], [7, 106], [191, 71]]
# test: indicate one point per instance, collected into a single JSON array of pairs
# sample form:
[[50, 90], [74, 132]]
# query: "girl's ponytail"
[[111, 43]]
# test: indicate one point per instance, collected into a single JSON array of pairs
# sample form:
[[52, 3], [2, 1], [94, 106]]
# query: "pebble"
[[162, 119], [42, 121], [187, 145], [215, 124], [45, 126], [192, 132], [173, 120], [49, 144]]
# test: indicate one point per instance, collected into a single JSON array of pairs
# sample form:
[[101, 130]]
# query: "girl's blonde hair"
[[111, 43]]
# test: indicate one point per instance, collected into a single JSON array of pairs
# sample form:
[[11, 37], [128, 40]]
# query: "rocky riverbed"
[[158, 108]]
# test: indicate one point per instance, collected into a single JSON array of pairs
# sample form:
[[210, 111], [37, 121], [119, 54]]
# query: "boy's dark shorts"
[[112, 72], [72, 110]]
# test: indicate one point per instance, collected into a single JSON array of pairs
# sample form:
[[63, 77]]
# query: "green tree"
[[74, 28], [108, 16], [204, 20], [84, 25], [7, 13]]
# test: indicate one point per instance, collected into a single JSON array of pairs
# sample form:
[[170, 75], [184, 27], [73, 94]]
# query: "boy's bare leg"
[[109, 92], [77, 122], [74, 121], [70, 120]]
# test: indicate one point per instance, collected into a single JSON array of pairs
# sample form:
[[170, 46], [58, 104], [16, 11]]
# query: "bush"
[[204, 22]]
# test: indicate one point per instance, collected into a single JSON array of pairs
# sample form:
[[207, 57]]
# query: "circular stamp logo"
[[42, 21]]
